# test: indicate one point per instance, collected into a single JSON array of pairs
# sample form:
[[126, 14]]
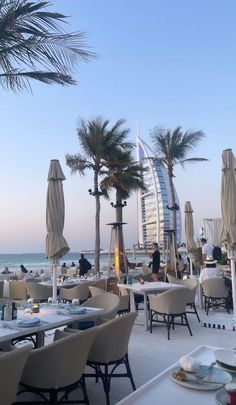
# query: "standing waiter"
[[155, 261]]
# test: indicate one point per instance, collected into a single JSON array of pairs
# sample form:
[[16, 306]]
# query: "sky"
[[160, 63]]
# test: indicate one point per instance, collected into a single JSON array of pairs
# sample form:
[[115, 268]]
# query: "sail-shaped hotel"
[[154, 217]]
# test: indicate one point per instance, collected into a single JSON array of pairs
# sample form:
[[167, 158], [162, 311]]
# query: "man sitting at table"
[[210, 270]]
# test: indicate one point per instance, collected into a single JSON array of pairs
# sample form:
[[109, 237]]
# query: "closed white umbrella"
[[56, 245], [189, 231], [228, 210]]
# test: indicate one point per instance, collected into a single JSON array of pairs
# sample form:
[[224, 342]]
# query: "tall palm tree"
[[33, 45], [125, 176], [97, 142], [173, 148]]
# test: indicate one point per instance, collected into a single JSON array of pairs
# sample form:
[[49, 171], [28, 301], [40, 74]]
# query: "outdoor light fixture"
[[95, 192], [119, 204]]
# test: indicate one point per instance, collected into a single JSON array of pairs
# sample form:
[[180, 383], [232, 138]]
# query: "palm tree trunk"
[[119, 218], [97, 225], [173, 211]]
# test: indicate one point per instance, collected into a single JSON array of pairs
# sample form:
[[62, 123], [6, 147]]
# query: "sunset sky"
[[160, 63]]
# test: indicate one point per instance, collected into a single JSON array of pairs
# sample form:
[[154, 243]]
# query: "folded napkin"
[[28, 322], [77, 311], [190, 364]]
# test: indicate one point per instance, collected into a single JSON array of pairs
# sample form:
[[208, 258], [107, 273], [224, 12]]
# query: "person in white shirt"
[[207, 248], [210, 270]]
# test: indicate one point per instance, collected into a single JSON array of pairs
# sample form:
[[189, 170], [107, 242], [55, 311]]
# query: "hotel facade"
[[154, 217]]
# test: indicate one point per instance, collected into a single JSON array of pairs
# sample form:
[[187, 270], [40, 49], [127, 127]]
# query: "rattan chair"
[[17, 290], [192, 285], [100, 283], [110, 349], [108, 302], [11, 367], [124, 299], [57, 368], [80, 291], [72, 272], [216, 294], [39, 291], [169, 305]]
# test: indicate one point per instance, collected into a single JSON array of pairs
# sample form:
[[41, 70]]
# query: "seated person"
[[210, 270], [6, 270]]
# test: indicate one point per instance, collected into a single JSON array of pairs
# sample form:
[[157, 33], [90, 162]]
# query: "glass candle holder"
[[35, 308]]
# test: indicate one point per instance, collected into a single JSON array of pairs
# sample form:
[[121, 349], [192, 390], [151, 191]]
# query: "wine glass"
[[50, 300], [75, 302]]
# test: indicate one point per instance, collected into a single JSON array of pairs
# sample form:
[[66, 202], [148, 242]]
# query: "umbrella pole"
[[54, 285], [191, 264], [232, 265]]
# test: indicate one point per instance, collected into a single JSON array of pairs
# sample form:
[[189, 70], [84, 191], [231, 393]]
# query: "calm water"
[[36, 261]]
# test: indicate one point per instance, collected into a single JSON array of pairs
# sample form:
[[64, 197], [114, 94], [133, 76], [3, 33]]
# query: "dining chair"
[[17, 290], [80, 291], [192, 284], [169, 305], [110, 350], [124, 298], [100, 283], [216, 294], [11, 367], [72, 272], [38, 291], [53, 371], [108, 302]]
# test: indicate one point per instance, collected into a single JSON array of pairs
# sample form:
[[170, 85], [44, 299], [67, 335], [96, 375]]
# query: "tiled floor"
[[149, 354]]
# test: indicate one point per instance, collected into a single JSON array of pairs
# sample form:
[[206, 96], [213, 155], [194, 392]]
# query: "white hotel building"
[[154, 218]]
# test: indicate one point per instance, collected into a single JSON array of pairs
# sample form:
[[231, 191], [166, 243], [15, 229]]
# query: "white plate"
[[226, 357], [207, 384], [220, 397]]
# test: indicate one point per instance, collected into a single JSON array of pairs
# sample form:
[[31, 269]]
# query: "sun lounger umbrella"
[[228, 210], [189, 231], [56, 245]]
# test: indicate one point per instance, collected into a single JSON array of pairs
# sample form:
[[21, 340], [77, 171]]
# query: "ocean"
[[38, 261]]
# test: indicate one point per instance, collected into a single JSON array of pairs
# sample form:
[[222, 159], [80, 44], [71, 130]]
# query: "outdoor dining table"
[[145, 289], [51, 317], [73, 281], [162, 390]]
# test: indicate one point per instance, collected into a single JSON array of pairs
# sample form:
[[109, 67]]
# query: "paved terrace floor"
[[150, 354]]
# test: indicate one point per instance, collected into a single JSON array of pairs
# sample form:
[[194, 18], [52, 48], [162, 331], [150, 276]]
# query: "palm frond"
[[192, 160], [77, 163], [31, 36]]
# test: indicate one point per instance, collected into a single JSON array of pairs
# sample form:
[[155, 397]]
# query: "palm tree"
[[33, 45], [97, 142], [172, 148], [125, 176]]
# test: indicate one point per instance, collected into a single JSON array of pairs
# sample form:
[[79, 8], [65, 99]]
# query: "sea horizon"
[[38, 261]]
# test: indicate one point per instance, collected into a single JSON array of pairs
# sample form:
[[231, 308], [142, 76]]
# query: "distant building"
[[154, 218]]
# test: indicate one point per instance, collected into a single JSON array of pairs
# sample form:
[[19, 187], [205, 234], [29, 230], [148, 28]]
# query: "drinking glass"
[[75, 302], [50, 300]]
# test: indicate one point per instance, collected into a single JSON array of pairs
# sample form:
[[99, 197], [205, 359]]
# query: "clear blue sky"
[[165, 63]]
